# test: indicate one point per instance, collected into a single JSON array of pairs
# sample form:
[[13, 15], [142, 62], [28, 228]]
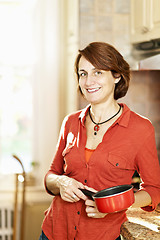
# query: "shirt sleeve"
[[57, 164], [149, 170]]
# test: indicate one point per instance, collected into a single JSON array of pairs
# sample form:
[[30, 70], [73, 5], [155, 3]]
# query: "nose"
[[89, 80]]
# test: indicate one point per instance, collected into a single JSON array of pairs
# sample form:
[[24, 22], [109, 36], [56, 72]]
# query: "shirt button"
[[75, 228], [85, 181], [117, 164], [78, 212]]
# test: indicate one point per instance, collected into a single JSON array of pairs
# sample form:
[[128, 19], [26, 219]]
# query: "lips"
[[92, 90]]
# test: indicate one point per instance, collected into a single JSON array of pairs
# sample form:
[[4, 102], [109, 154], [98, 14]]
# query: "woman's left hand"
[[92, 211]]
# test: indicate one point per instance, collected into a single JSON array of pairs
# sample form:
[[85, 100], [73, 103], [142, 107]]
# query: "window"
[[16, 66]]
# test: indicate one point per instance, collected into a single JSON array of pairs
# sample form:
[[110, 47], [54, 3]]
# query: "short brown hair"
[[105, 57]]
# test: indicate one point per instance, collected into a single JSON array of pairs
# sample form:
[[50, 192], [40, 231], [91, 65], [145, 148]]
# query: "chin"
[[94, 101]]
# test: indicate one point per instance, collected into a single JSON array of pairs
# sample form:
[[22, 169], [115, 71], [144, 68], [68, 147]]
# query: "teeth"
[[93, 90]]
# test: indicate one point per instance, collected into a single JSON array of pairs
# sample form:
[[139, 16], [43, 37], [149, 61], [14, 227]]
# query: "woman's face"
[[96, 85]]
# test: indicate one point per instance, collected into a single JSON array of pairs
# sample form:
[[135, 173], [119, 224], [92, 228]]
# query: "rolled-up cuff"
[[47, 190], [155, 196]]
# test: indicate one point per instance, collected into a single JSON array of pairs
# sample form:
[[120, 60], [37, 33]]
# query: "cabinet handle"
[[144, 30]]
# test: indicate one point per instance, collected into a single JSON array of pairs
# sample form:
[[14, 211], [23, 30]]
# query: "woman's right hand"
[[69, 189]]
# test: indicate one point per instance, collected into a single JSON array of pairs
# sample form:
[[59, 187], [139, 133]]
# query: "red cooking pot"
[[112, 199]]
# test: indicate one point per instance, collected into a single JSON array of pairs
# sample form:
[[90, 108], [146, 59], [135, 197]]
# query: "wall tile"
[[104, 7], [139, 108], [87, 38], [154, 110], [156, 124], [154, 76], [154, 91], [138, 92], [158, 142], [105, 36], [87, 24], [87, 6], [121, 33], [99, 16], [140, 77], [104, 23], [121, 27], [122, 6]]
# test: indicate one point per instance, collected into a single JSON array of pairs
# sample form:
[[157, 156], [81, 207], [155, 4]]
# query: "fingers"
[[73, 195], [69, 190], [69, 196], [92, 211], [79, 193], [90, 203], [90, 189]]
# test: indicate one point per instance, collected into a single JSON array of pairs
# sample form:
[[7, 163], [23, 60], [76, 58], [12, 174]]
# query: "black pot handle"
[[87, 193]]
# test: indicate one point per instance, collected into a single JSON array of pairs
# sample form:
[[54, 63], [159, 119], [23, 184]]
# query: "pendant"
[[96, 129]]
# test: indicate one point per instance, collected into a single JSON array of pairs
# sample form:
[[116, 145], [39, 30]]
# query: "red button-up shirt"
[[128, 145]]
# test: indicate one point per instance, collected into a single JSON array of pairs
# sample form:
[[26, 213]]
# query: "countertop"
[[141, 225]]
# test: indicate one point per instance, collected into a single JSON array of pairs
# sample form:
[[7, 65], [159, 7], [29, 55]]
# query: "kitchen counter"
[[141, 225]]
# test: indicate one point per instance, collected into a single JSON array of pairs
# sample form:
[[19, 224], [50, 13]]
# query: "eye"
[[98, 73], [82, 74]]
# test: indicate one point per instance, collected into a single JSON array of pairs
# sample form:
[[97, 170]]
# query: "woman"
[[99, 147]]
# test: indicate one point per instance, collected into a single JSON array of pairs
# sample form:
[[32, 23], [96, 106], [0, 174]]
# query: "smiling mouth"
[[93, 90]]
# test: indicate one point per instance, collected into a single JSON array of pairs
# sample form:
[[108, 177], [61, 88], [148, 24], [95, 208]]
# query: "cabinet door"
[[154, 24], [139, 20], [145, 20]]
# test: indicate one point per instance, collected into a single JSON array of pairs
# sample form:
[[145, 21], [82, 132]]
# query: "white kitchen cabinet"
[[145, 20]]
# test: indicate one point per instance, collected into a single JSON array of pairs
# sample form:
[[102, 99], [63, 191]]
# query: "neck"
[[101, 112]]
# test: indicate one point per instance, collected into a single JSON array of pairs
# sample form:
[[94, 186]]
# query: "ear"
[[117, 79]]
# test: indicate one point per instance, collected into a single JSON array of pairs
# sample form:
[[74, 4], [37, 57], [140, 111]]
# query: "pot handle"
[[87, 193]]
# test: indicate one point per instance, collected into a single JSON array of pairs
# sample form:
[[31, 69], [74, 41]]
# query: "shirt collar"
[[123, 120], [83, 114]]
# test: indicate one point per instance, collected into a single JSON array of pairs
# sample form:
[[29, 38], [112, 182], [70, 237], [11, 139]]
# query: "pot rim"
[[130, 188]]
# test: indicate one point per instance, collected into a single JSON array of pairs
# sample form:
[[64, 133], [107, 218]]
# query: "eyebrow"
[[81, 70]]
